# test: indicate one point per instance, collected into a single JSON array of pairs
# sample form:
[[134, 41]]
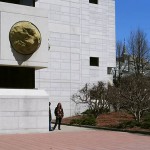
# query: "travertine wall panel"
[[78, 30]]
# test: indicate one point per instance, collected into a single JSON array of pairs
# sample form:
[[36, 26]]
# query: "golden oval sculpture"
[[25, 38]]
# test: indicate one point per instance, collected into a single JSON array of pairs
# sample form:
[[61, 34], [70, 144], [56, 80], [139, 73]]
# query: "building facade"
[[23, 49], [81, 36], [69, 43]]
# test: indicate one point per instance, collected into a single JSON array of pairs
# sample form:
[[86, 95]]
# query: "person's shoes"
[[51, 130], [59, 129]]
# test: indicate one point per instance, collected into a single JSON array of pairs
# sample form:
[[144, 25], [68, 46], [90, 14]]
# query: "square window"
[[93, 1], [21, 2], [94, 61], [17, 77], [109, 70], [11, 1]]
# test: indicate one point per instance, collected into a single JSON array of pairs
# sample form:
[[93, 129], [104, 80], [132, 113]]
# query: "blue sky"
[[131, 15]]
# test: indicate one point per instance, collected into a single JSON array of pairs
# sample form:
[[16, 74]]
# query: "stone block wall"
[[77, 31], [23, 110]]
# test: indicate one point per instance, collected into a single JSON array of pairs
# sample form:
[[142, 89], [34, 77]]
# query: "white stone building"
[[78, 32], [77, 47]]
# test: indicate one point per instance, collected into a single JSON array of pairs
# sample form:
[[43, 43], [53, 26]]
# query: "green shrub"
[[96, 113], [88, 120], [128, 124], [146, 121], [75, 121], [85, 120], [145, 125], [134, 124], [146, 117], [88, 112], [131, 124]]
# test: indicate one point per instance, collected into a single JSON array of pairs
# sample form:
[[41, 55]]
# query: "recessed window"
[[17, 77], [93, 1], [94, 61], [21, 2], [109, 70]]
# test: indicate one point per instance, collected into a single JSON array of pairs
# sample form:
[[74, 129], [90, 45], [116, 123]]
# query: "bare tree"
[[135, 94], [113, 97], [99, 98], [122, 65], [119, 51], [93, 96], [139, 51]]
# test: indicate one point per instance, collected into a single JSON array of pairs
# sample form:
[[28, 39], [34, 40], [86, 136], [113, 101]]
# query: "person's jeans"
[[50, 127], [58, 121]]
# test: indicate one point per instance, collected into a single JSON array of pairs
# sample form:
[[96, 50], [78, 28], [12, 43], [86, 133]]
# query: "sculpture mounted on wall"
[[25, 38]]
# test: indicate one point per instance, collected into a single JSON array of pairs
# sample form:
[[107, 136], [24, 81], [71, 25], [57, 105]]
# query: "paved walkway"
[[75, 138]]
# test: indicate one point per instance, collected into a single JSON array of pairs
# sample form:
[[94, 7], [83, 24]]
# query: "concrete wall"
[[11, 14], [77, 31], [23, 110]]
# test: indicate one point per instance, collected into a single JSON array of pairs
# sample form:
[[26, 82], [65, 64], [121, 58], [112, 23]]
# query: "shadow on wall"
[[19, 57]]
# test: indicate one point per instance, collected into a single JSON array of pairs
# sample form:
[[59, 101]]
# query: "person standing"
[[59, 113], [50, 117]]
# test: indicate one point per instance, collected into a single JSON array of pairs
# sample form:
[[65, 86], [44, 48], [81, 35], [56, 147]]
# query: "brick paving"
[[75, 139]]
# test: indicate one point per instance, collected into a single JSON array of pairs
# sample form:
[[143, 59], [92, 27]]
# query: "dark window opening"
[[94, 61], [93, 1], [109, 70], [17, 77], [21, 2]]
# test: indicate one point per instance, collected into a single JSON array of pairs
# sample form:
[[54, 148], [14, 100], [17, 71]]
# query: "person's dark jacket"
[[59, 113]]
